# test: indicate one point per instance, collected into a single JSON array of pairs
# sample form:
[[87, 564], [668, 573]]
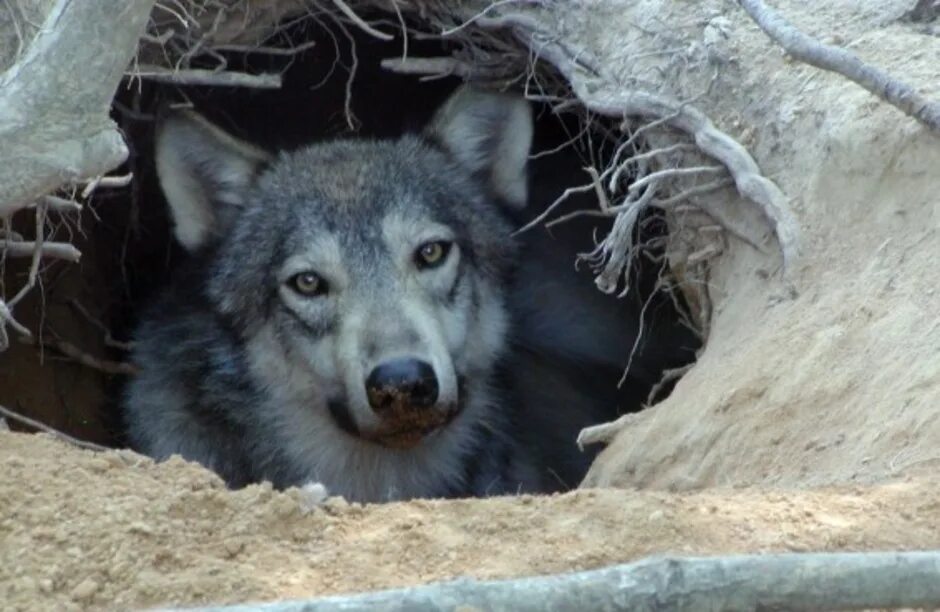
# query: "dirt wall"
[[835, 379]]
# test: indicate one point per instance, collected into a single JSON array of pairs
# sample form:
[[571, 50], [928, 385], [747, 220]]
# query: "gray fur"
[[240, 372], [244, 375]]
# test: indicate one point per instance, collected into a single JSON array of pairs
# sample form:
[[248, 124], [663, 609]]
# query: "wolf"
[[351, 313]]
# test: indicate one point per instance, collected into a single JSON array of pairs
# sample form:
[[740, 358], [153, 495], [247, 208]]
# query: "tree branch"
[[835, 59], [54, 100], [821, 581], [211, 78], [55, 433]]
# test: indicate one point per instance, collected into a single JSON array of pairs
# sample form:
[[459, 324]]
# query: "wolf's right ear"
[[490, 134], [204, 173]]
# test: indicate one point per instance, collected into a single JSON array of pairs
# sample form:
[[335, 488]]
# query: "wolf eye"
[[432, 254], [307, 283]]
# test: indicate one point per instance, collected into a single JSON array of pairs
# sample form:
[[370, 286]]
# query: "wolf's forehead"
[[347, 175]]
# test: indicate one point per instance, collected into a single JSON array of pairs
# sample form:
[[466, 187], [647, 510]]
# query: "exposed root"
[[55, 433], [73, 353], [605, 432], [56, 250], [360, 23], [668, 376], [210, 78], [109, 340], [602, 95], [835, 59]]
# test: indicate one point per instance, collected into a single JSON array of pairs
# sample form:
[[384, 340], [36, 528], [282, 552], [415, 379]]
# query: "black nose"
[[402, 383]]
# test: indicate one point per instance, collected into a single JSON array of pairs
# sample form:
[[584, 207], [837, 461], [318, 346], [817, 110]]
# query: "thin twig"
[[107, 182], [686, 194], [211, 78], [6, 317], [567, 193], [359, 21], [604, 433], [55, 433], [36, 253], [668, 376], [72, 352], [61, 205], [109, 340], [434, 66], [669, 173], [263, 50], [56, 250], [835, 59]]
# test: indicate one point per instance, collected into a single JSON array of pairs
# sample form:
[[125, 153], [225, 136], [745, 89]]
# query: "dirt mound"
[[116, 531]]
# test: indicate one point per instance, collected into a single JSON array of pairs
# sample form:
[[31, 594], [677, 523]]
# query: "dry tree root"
[[603, 96], [24, 420], [210, 78], [73, 353], [791, 581], [605, 432], [834, 59], [67, 77]]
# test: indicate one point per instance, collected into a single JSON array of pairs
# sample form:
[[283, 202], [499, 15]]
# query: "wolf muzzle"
[[403, 393], [408, 382]]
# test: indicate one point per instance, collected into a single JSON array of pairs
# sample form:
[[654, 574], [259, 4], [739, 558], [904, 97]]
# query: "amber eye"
[[307, 283], [432, 254]]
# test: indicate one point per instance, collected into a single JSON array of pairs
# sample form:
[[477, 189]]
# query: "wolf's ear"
[[490, 134], [204, 173]]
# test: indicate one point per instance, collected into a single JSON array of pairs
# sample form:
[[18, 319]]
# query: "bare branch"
[[109, 340], [356, 19], [6, 318], [108, 182], [554, 205], [835, 59], [55, 433], [56, 250], [262, 50], [211, 78], [435, 66], [667, 377], [604, 433], [669, 173], [608, 98], [686, 194], [68, 76], [61, 205], [791, 581], [35, 253], [84, 358]]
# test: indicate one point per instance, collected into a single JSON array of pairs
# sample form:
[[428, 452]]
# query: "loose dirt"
[[80, 530]]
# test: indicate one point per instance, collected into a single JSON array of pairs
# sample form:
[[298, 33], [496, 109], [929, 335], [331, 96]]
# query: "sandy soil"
[[115, 531]]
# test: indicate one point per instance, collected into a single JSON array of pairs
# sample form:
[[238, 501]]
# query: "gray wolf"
[[350, 313]]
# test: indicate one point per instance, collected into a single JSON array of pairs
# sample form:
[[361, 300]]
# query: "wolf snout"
[[406, 384]]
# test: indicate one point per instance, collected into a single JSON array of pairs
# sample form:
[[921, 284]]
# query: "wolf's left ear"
[[490, 134]]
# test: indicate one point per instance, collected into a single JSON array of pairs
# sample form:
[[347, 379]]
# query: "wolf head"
[[364, 277]]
